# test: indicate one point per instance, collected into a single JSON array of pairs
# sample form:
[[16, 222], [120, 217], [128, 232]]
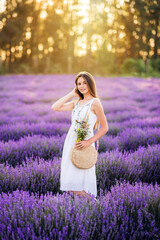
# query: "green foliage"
[[133, 66], [155, 63], [106, 62], [22, 25], [154, 209], [55, 68], [23, 68], [3, 70]]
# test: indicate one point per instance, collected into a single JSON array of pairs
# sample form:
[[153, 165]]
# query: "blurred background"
[[105, 37]]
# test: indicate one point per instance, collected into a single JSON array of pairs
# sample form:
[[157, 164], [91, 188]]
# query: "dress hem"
[[71, 189]]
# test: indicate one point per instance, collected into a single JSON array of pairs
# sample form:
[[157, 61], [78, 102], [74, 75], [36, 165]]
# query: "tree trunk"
[[156, 39], [10, 58]]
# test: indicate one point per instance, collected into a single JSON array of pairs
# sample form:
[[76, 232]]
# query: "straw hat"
[[85, 158]]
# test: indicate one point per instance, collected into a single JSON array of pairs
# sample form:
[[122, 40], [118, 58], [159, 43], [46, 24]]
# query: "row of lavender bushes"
[[15, 152], [126, 212], [19, 130], [124, 116], [31, 141], [41, 176]]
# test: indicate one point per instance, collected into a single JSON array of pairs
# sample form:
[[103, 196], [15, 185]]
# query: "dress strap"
[[86, 119], [89, 104]]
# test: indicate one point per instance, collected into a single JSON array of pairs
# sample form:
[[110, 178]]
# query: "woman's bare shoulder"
[[97, 102]]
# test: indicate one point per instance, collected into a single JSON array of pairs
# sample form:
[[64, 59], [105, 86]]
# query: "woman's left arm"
[[98, 109]]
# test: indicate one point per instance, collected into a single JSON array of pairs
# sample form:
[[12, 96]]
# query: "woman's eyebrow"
[[82, 82]]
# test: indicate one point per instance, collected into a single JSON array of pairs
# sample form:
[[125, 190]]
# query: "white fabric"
[[72, 178]]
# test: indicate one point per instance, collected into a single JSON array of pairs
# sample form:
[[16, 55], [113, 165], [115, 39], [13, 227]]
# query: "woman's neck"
[[87, 97]]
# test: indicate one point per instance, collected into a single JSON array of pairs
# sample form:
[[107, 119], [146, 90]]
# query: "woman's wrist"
[[90, 140], [68, 97]]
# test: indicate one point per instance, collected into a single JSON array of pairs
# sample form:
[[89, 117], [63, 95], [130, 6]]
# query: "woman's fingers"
[[82, 144], [79, 145]]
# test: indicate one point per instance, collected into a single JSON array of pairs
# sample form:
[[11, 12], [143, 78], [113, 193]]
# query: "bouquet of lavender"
[[82, 130]]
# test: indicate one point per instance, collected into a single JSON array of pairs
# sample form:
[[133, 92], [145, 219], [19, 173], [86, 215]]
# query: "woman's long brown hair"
[[91, 85]]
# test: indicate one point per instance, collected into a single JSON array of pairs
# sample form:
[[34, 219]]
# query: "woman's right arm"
[[61, 104]]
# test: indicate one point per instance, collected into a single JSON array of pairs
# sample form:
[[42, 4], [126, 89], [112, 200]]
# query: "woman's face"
[[82, 85]]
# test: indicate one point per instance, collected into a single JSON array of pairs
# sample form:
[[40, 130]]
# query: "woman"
[[81, 182]]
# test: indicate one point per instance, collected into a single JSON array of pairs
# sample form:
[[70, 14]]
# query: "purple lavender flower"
[[128, 169]]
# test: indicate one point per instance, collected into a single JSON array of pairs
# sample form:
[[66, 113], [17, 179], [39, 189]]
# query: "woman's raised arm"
[[61, 105]]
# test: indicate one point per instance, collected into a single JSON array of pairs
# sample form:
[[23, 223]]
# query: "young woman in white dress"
[[81, 182]]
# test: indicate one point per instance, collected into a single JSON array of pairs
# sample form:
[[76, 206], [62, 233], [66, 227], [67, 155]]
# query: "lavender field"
[[128, 168]]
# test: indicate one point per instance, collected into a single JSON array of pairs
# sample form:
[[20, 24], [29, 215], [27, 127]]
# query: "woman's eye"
[[82, 83]]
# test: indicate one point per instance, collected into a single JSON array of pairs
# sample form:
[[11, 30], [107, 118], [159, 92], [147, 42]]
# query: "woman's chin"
[[84, 92]]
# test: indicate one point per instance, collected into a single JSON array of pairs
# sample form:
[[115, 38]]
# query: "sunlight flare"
[[43, 14]]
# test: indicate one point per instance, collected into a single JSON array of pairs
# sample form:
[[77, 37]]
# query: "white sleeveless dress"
[[72, 178]]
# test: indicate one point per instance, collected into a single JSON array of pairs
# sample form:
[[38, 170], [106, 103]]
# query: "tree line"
[[67, 36]]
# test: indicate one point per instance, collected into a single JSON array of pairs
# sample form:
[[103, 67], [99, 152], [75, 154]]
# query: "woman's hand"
[[82, 144], [75, 92]]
